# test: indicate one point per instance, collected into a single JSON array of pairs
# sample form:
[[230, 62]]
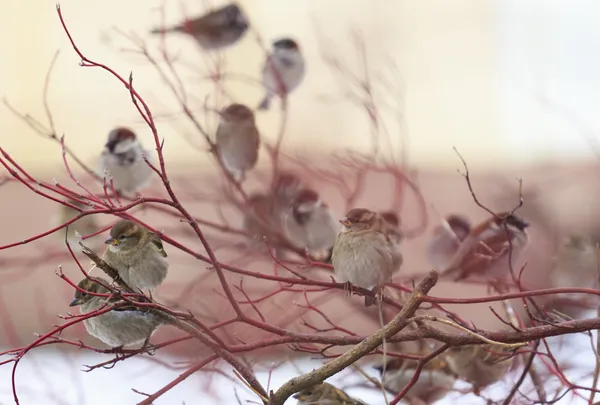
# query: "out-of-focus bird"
[[123, 159], [575, 265], [283, 71], [258, 218], [309, 224], [435, 381], [137, 254], [325, 394], [84, 226], [123, 326], [215, 30], [484, 254], [237, 140], [480, 365], [446, 240], [363, 254], [392, 226]]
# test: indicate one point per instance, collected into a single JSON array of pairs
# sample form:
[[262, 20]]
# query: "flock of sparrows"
[[364, 247]]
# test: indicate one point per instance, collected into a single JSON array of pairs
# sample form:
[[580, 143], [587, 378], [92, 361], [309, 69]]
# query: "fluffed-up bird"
[[483, 256], [215, 30], [435, 381], [123, 159], [446, 240], [363, 254], [237, 140], [309, 224], [283, 71], [480, 365], [137, 254], [325, 394], [123, 326]]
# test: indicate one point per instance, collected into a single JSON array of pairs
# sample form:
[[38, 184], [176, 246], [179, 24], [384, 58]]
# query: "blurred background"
[[512, 84]]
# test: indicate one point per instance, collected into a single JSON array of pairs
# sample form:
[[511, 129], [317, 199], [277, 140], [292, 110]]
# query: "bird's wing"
[[483, 254], [157, 244]]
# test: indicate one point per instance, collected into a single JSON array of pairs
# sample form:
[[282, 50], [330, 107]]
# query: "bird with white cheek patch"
[[446, 240], [325, 394], [214, 30], [123, 159], [483, 256], [137, 255], [363, 254], [237, 140], [309, 224], [283, 71], [123, 326]]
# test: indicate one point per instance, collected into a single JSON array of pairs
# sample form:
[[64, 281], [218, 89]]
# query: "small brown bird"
[[137, 254], [325, 394], [123, 159], [446, 240], [123, 326], [575, 265], [480, 365], [309, 224], [283, 71], [363, 254], [215, 30], [237, 140], [84, 226], [484, 254], [435, 381]]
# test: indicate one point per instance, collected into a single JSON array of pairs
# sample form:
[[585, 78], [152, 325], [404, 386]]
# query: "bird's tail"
[[265, 103]]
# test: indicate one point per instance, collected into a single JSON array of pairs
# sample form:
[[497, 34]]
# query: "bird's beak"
[[111, 241], [344, 221], [75, 302]]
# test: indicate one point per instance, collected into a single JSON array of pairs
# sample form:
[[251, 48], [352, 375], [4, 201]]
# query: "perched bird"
[[363, 254], [325, 394], [137, 254], [237, 140], [575, 265], [484, 254], [309, 224], [215, 30], [84, 226], [283, 71], [480, 365], [123, 159], [446, 239], [123, 326], [435, 381]]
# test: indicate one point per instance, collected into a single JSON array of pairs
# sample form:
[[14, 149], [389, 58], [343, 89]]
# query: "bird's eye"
[[122, 237]]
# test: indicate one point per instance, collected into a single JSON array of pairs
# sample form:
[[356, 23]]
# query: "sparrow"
[[363, 254], [123, 326], [480, 365], [283, 70], [309, 224], [325, 394], [575, 265], [484, 254], [237, 140], [446, 239], [435, 381], [84, 226], [137, 255], [215, 30], [123, 159]]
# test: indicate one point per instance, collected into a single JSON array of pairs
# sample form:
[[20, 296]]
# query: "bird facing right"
[[283, 71], [325, 394], [214, 30], [118, 327], [237, 140], [363, 253], [137, 254]]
